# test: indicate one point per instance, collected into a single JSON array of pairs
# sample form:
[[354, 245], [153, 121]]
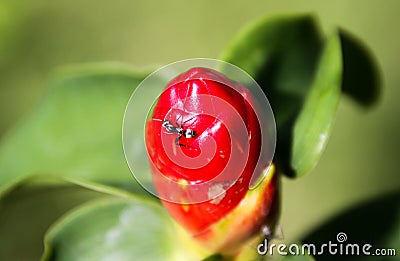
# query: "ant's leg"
[[177, 141]]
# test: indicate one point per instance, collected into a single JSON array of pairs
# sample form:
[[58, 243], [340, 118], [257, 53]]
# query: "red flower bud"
[[204, 143]]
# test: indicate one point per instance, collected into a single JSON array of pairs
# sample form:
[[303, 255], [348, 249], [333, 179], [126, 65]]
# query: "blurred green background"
[[362, 157]]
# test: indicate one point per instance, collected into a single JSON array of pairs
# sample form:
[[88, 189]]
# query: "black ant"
[[178, 129]]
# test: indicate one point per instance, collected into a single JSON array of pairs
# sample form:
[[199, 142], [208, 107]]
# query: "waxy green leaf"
[[285, 56], [314, 124], [75, 132], [118, 229]]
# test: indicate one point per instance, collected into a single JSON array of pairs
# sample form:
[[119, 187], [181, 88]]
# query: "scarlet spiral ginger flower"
[[204, 144]]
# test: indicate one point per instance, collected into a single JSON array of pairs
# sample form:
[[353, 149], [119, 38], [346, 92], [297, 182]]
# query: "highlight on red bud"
[[210, 142]]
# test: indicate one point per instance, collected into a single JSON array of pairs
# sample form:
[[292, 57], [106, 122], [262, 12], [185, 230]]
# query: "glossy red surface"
[[226, 128]]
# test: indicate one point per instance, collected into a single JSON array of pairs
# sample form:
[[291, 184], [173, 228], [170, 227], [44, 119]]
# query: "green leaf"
[[117, 229], [76, 131], [376, 222], [361, 79], [313, 126], [28, 210], [281, 54]]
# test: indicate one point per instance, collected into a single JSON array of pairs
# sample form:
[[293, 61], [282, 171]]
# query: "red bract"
[[204, 142]]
